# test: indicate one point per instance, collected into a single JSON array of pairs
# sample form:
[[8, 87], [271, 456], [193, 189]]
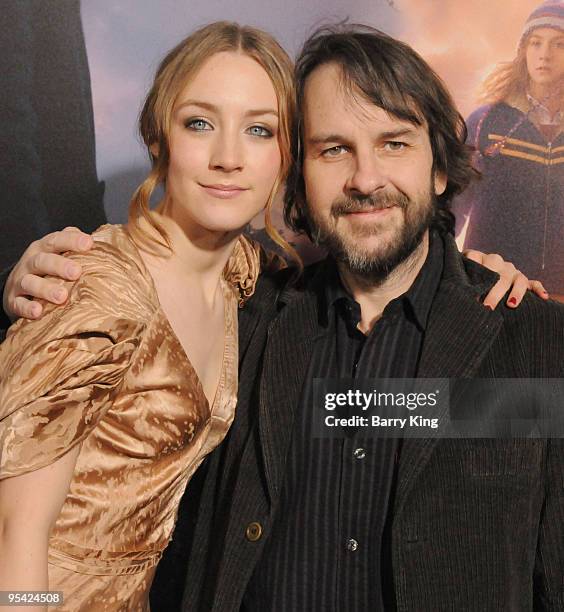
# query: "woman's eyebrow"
[[209, 106]]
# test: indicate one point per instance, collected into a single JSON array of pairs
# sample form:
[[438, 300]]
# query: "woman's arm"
[[59, 377], [29, 507]]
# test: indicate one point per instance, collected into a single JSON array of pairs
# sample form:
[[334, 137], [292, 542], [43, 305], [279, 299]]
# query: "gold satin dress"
[[107, 371]]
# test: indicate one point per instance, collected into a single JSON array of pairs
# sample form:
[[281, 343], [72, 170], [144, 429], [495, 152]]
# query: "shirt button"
[[253, 531], [359, 453], [352, 544]]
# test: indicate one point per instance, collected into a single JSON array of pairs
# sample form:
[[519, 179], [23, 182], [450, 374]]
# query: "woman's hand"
[[510, 278], [41, 259]]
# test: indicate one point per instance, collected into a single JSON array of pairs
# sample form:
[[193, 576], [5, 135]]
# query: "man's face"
[[368, 177]]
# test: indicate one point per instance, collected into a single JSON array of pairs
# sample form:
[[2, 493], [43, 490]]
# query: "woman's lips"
[[223, 191]]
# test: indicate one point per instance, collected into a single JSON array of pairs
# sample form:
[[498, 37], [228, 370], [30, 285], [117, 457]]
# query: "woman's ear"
[[154, 148]]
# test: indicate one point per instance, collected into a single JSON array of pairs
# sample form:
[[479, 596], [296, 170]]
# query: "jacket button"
[[253, 532]]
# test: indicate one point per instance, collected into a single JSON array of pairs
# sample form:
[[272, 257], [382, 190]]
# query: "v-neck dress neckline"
[[228, 302]]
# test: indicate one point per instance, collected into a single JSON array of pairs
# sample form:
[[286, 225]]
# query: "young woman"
[[517, 209], [109, 403]]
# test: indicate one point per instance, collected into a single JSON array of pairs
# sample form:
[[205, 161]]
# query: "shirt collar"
[[416, 301], [543, 115]]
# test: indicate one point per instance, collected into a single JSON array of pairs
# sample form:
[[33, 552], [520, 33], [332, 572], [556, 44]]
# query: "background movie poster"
[[75, 73]]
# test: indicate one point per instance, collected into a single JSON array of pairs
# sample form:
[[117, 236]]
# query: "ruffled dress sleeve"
[[59, 375], [248, 260]]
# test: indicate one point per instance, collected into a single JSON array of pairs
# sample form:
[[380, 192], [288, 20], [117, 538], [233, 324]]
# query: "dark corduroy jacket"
[[4, 321], [478, 524]]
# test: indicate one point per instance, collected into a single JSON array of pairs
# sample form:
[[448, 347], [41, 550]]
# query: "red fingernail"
[[513, 301]]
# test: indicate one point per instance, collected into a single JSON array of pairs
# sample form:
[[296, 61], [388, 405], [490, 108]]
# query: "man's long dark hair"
[[392, 76]]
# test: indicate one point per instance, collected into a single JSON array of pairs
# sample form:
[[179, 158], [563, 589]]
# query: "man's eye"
[[394, 145], [334, 151], [198, 125], [259, 130]]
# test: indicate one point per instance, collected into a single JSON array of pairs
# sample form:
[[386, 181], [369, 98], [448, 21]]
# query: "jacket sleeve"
[[549, 566], [4, 320]]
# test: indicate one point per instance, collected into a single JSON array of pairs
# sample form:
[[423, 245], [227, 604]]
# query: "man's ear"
[[154, 148], [439, 183]]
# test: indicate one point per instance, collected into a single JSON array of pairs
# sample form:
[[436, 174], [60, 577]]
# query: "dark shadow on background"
[[119, 189], [48, 176]]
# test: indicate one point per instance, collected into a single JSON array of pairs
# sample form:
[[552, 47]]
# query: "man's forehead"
[[330, 97]]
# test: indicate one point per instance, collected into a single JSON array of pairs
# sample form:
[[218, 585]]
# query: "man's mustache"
[[354, 204]]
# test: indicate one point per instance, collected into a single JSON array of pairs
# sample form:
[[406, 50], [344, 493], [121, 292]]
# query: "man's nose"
[[227, 153], [367, 175]]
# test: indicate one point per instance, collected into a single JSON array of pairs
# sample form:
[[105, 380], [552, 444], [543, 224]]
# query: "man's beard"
[[375, 265]]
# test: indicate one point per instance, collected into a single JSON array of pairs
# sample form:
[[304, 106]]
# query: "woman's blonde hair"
[[172, 76], [508, 79]]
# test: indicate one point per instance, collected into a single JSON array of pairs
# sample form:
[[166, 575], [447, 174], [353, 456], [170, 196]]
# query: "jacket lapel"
[[289, 349], [250, 316], [459, 335]]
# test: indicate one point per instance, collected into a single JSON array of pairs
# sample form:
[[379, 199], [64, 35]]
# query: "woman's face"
[[224, 153], [545, 56]]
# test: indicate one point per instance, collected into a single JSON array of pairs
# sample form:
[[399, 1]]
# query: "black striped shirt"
[[328, 547]]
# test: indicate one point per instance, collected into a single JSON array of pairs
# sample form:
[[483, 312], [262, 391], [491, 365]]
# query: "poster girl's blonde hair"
[[173, 74], [508, 79]]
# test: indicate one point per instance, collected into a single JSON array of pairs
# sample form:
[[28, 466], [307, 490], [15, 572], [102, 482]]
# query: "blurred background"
[[75, 75]]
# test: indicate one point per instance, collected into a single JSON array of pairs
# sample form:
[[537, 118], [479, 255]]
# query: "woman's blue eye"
[[198, 125], [259, 130]]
